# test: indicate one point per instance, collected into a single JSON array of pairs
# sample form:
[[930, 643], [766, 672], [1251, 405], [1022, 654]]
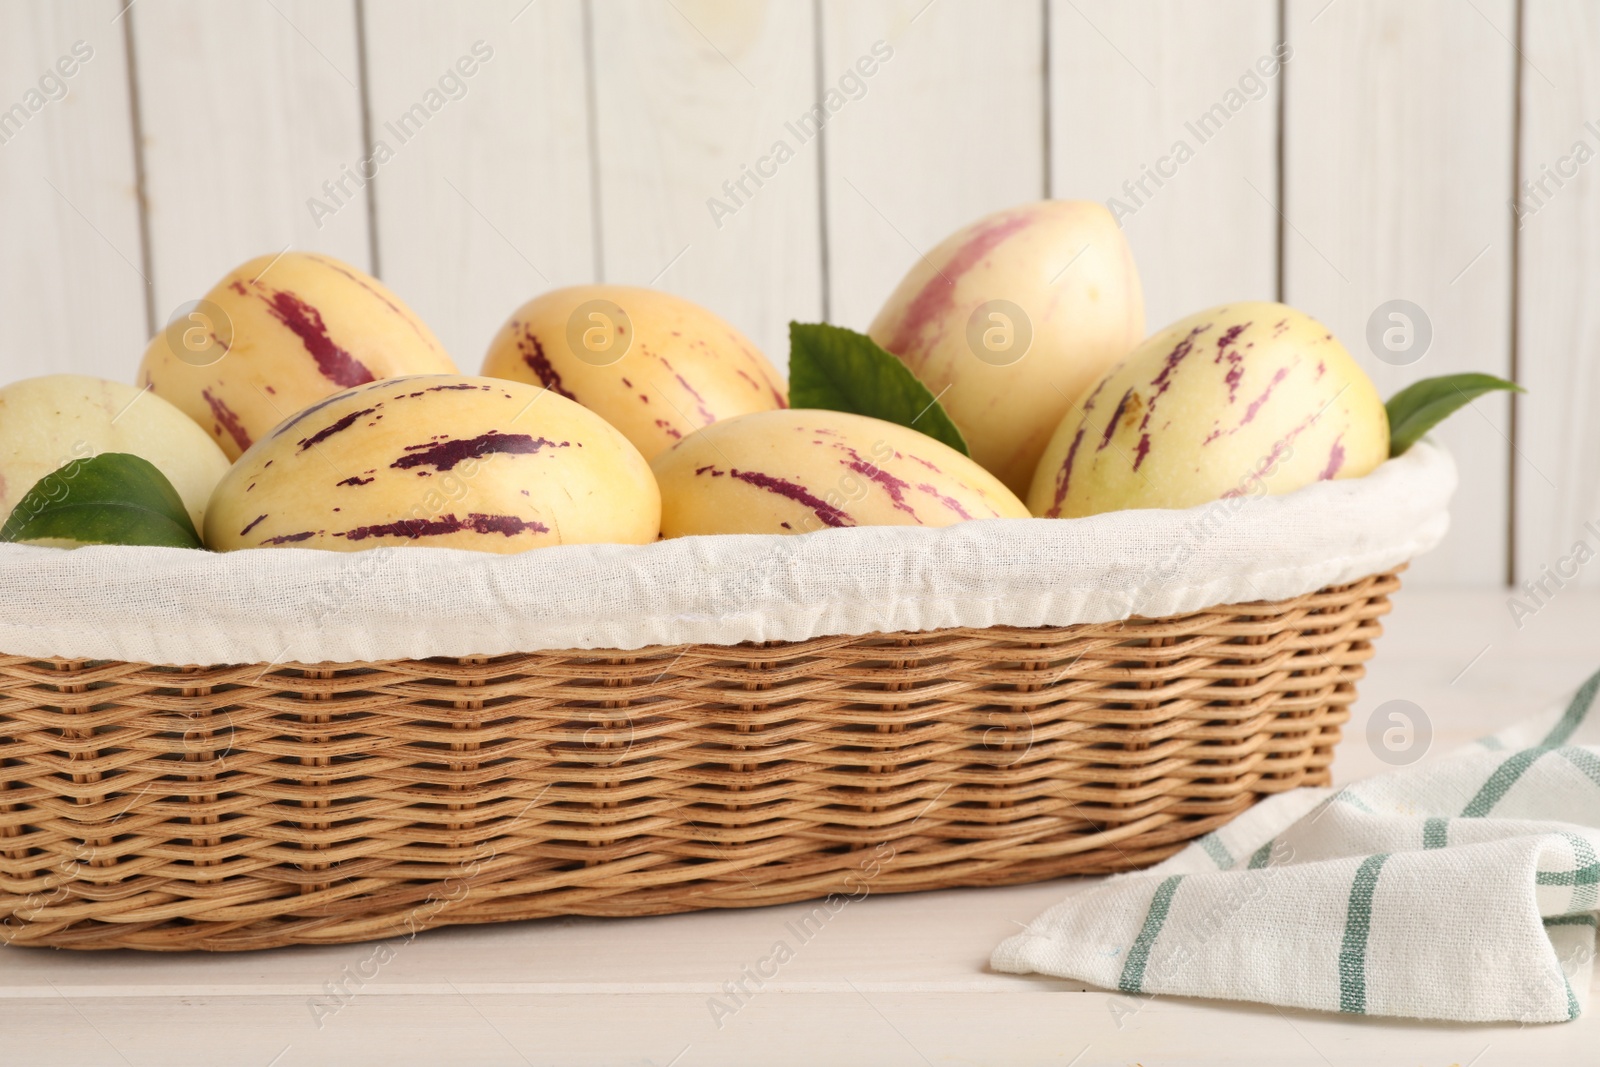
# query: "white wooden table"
[[889, 980]]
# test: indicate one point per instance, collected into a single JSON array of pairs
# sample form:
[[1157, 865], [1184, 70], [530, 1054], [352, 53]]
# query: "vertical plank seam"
[[823, 265], [1047, 176], [1280, 271], [374, 264], [1519, 73], [591, 98], [140, 189]]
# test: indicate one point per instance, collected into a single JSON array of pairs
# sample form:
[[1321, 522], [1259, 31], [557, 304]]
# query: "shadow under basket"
[[245, 807]]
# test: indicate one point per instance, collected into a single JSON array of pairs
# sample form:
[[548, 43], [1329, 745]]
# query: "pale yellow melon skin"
[[437, 460], [798, 471], [48, 422], [684, 367], [1085, 316], [305, 326], [1246, 399]]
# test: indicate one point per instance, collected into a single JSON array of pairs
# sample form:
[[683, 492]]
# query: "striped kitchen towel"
[[1465, 889]]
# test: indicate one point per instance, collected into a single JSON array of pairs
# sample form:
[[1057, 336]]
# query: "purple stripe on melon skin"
[[1255, 479], [410, 321], [777, 397], [1163, 380], [289, 539], [938, 292], [475, 522], [237, 286], [356, 479], [1255, 405], [1230, 335], [1234, 376], [891, 485], [253, 523], [1116, 417], [949, 502], [332, 428], [305, 321], [1226, 349], [699, 401], [311, 409], [1335, 460], [1278, 448], [444, 455], [1142, 451], [824, 511], [1064, 475], [228, 420], [440, 388], [539, 363]]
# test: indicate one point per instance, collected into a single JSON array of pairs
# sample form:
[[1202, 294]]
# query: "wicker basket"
[[244, 807]]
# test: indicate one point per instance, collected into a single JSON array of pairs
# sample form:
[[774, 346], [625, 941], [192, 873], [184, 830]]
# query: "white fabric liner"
[[177, 606]]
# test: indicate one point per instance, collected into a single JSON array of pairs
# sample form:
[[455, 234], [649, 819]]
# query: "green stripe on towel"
[[1582, 759], [1584, 878], [1503, 778], [1217, 852], [1570, 920], [1357, 925], [1576, 711], [1261, 856], [1347, 797], [1132, 980], [1436, 833], [1589, 875]]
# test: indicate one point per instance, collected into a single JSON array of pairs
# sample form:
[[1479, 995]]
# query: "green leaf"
[[1421, 406], [837, 369], [110, 499]]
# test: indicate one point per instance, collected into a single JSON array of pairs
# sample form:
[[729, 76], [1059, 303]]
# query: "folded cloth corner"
[[1464, 889]]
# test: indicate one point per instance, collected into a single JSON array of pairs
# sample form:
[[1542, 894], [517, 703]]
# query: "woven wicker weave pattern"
[[251, 806]]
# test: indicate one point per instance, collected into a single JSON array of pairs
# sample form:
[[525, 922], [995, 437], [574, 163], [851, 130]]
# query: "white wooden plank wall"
[[72, 281], [1559, 315], [593, 141]]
